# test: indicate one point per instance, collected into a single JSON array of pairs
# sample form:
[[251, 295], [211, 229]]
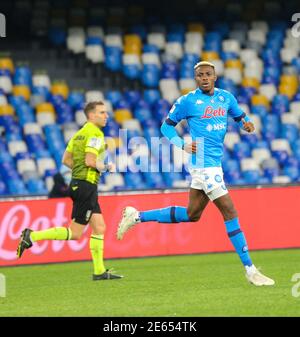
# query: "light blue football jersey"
[[207, 120]]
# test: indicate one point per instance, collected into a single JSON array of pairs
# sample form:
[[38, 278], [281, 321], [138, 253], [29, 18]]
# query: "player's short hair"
[[204, 63], [90, 106]]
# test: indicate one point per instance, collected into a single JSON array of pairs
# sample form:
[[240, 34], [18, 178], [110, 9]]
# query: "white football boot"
[[130, 218], [255, 277]]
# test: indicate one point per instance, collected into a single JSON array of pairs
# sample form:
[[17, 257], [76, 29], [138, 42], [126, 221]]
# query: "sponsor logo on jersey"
[[215, 127], [210, 112], [199, 101]]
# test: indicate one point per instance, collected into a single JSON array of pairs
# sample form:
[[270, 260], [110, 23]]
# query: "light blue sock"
[[167, 215], [238, 240]]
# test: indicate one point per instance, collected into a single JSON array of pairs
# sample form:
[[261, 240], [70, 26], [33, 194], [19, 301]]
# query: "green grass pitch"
[[186, 285]]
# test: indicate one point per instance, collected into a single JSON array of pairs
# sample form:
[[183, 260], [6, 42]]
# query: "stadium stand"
[[139, 65]]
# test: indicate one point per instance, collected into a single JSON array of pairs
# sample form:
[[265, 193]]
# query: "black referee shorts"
[[85, 200]]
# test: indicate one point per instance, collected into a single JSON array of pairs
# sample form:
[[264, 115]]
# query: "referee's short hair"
[[204, 63], [90, 106]]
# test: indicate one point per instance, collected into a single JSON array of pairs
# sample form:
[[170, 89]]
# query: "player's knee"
[[76, 235], [229, 213], [99, 229], [194, 216]]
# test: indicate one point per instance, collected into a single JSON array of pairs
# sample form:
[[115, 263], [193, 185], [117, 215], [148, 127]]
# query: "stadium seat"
[[26, 165], [15, 147], [44, 164]]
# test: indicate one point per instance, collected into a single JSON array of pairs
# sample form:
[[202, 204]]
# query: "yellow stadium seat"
[[260, 100], [287, 90], [234, 64], [60, 88], [209, 56], [132, 49], [291, 79], [113, 143], [196, 27], [133, 39], [7, 63], [7, 109], [185, 91], [122, 115], [250, 82], [22, 90], [45, 107]]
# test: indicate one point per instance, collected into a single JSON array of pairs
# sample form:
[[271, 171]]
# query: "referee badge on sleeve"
[[95, 143]]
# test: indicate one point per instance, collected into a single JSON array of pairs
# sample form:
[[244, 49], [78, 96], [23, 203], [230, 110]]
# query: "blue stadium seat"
[[64, 113], [150, 48], [271, 172], [241, 150], [151, 96], [57, 36], [161, 109], [260, 110], [142, 114], [289, 132], [132, 97], [113, 58], [134, 180], [260, 144], [154, 180], [35, 142], [17, 187], [131, 71], [280, 156], [36, 186], [23, 155], [122, 104], [296, 64], [42, 91], [170, 177], [251, 176], [22, 76], [229, 55], [93, 40], [112, 128], [250, 138], [292, 172], [280, 104], [175, 37], [3, 189], [114, 96], [25, 114], [170, 70], [76, 99], [150, 75]]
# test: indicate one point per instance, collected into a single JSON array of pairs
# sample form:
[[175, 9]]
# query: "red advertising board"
[[269, 218]]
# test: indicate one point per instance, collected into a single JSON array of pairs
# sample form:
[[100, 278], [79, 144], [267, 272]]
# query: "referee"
[[85, 156]]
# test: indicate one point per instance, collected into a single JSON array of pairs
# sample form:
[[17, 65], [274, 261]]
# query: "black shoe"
[[25, 242], [107, 275]]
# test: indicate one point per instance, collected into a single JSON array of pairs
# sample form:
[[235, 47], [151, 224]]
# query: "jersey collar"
[[92, 125], [215, 92]]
